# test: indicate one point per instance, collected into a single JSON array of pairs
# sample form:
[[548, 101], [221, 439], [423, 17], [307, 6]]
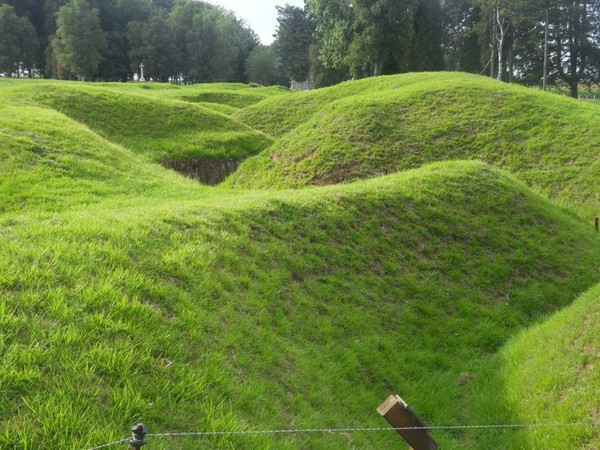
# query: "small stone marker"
[[400, 415], [142, 79]]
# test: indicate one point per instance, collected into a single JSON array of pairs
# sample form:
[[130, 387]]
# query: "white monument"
[[142, 79]]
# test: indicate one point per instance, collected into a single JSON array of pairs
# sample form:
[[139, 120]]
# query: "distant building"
[[302, 85]]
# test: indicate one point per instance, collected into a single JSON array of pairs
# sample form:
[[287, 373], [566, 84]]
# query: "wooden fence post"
[[400, 416]]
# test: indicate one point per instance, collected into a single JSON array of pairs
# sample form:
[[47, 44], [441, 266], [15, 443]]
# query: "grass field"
[[129, 293]]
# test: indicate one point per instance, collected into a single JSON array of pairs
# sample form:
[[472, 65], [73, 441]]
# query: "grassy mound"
[[51, 163], [158, 128], [276, 310], [371, 127], [548, 375], [232, 95]]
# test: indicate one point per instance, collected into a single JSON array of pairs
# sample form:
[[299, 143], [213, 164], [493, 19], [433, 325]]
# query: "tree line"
[[108, 39], [535, 42]]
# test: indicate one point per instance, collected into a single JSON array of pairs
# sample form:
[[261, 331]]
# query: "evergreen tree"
[[334, 21], [381, 37], [33, 12], [576, 56], [426, 42], [294, 36]]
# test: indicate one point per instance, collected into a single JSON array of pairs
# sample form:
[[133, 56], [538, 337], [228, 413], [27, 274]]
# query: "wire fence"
[[345, 430]]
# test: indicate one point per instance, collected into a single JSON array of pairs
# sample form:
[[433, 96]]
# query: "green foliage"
[[294, 37], [263, 66], [153, 44], [333, 20], [18, 41], [425, 52], [79, 40], [116, 16], [381, 37], [214, 45]]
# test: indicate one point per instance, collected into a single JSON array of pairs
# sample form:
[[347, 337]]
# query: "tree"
[[167, 5], [263, 66], [334, 21], [426, 38], [79, 40], [294, 36], [576, 56], [115, 16], [213, 43], [246, 41], [211, 54], [18, 42], [382, 34], [153, 44]]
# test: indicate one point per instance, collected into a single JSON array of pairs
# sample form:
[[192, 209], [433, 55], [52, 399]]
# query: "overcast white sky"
[[260, 15]]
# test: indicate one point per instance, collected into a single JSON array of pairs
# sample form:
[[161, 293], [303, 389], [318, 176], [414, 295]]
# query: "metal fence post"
[[138, 436]]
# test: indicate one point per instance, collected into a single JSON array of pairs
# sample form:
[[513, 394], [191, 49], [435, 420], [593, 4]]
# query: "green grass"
[[51, 163], [550, 375], [234, 95], [128, 293], [158, 128], [257, 310], [367, 128]]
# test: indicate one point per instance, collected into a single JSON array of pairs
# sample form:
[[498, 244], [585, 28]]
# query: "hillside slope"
[[366, 128], [51, 163], [549, 375], [232, 96], [276, 310], [159, 128]]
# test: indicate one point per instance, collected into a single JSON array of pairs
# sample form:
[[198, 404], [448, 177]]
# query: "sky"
[[260, 15]]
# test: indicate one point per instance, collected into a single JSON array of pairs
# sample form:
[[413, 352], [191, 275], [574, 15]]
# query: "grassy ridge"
[[128, 293], [156, 127], [277, 116], [51, 163], [548, 374], [236, 313], [364, 129], [233, 95]]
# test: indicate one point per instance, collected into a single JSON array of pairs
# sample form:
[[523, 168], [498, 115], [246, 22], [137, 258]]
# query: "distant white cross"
[[142, 72]]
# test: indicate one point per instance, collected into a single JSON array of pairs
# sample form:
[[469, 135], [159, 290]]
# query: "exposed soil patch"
[[205, 170]]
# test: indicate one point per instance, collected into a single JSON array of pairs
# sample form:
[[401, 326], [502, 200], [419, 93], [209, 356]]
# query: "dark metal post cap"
[[138, 435]]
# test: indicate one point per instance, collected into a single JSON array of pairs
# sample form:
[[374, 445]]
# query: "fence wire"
[[350, 430]]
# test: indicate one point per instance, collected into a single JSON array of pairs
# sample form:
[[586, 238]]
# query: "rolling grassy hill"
[[367, 128], [51, 163], [548, 374], [129, 293], [155, 126]]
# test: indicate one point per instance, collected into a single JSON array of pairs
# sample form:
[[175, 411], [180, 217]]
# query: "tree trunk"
[[546, 39], [574, 88], [511, 63], [502, 29], [574, 55], [493, 45]]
